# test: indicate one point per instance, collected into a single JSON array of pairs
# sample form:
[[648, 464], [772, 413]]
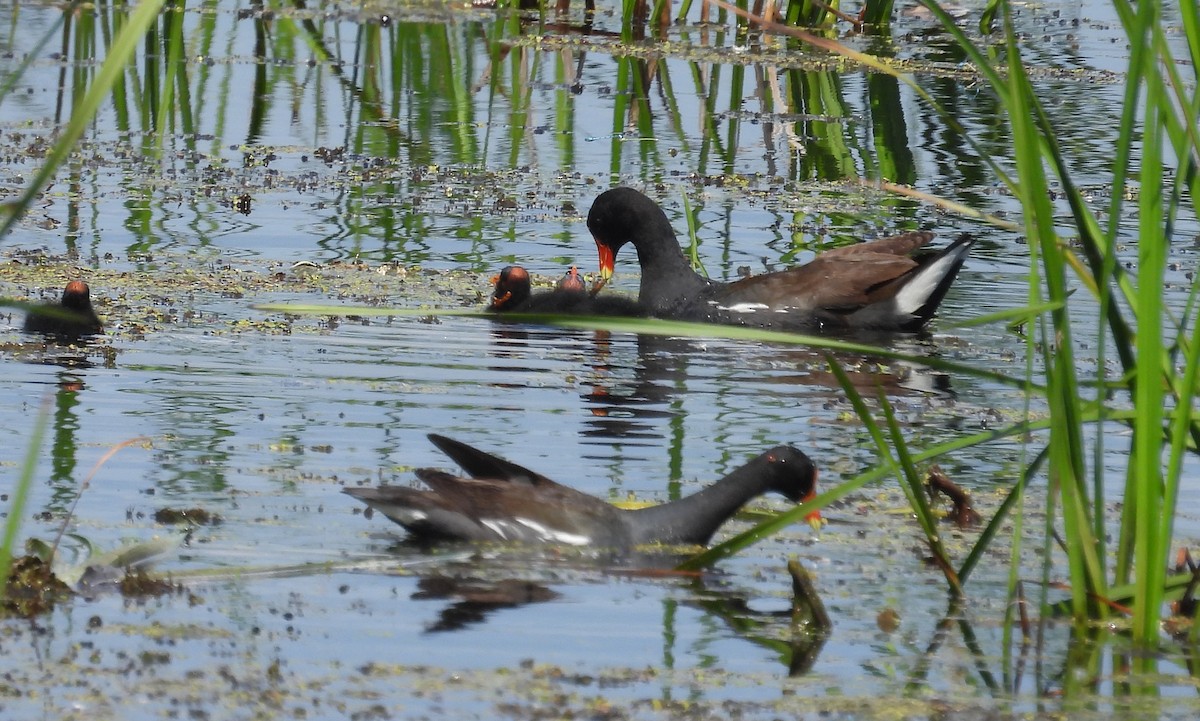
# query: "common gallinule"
[[873, 285], [506, 502], [572, 282], [73, 316], [513, 294]]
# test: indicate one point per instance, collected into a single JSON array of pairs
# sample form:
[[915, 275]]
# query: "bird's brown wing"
[[903, 244], [481, 464], [424, 513], [842, 281], [522, 512]]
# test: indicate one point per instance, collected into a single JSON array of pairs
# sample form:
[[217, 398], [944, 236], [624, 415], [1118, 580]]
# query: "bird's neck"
[[697, 517], [668, 280]]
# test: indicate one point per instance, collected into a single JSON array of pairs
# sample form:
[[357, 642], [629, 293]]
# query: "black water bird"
[[71, 317], [513, 294], [875, 285], [502, 501]]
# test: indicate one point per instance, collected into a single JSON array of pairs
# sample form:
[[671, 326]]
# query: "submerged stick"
[[964, 515], [84, 486], [804, 595]]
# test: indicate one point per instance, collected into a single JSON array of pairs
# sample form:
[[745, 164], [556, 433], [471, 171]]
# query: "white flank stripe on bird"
[[549, 534]]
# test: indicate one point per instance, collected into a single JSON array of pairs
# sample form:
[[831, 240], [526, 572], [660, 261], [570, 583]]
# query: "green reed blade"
[[18, 72], [877, 14], [693, 248], [1150, 557], [842, 490], [139, 22], [20, 491]]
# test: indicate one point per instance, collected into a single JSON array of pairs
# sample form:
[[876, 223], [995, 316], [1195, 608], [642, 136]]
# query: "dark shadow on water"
[[629, 395], [65, 429], [472, 600], [496, 579], [66, 425], [954, 618], [797, 649]]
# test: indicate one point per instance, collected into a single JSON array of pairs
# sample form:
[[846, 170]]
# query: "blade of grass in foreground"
[[879, 472], [1146, 457], [35, 53], [20, 492], [656, 326], [1067, 467], [903, 468], [706, 330], [872, 475], [119, 55]]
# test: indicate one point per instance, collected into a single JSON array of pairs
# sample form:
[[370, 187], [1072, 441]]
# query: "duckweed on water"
[[32, 589], [168, 290]]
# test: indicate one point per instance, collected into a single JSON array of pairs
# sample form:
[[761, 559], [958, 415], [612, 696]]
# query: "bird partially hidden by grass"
[[502, 501], [72, 317], [513, 293]]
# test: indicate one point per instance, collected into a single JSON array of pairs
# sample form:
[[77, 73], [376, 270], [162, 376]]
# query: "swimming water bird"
[[503, 501], [513, 294], [875, 285], [73, 316], [571, 282]]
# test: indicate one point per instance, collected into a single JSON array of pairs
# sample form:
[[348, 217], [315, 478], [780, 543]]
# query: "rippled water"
[[263, 419]]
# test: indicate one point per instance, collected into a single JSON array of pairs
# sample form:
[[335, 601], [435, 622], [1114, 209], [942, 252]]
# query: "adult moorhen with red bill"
[[875, 285], [506, 502], [73, 316], [513, 294]]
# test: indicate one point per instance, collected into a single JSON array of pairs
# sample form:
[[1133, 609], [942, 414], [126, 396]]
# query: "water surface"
[[262, 418]]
